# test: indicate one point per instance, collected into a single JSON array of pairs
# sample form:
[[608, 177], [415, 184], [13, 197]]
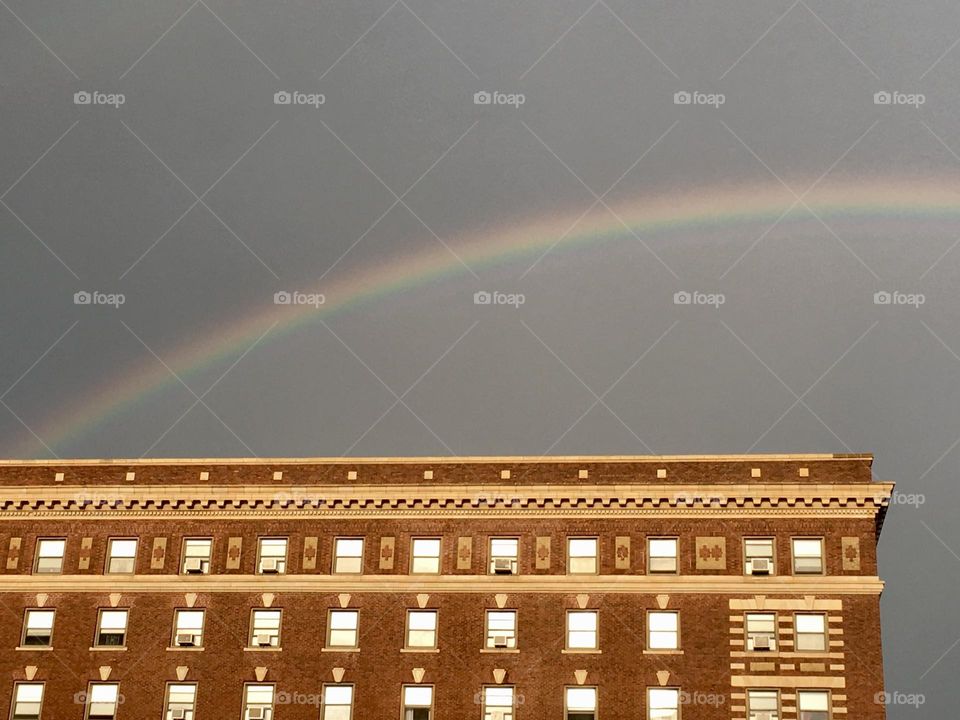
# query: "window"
[[181, 701], [813, 704], [196, 556], [761, 632], [501, 629], [49, 556], [417, 702], [272, 556], [662, 555], [421, 628], [102, 701], [188, 628], [27, 701], [342, 628], [111, 628], [337, 702], [808, 556], [663, 630], [580, 703], [498, 703], [504, 555], [425, 556], [663, 704], [810, 632], [758, 556], [348, 555], [37, 628], [582, 556], [582, 630], [121, 556], [258, 702], [763, 705], [265, 628]]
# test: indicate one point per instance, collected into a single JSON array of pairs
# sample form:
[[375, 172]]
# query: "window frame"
[[336, 557], [596, 554], [166, 698], [403, 699], [27, 683], [489, 635], [776, 692], [824, 691], [25, 627], [793, 555], [110, 557], [281, 561], [36, 553], [252, 633], [205, 563], [323, 698], [596, 631], [825, 634], [245, 705], [98, 628], [676, 554], [775, 633], [513, 700], [413, 554], [436, 630], [773, 554], [356, 630], [566, 700], [88, 705], [675, 690], [676, 646], [514, 560], [177, 631]]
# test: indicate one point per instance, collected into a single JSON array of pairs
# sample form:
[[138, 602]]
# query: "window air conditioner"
[[186, 640], [500, 641], [269, 565], [259, 713], [503, 565], [193, 565], [762, 642], [760, 566], [264, 640]]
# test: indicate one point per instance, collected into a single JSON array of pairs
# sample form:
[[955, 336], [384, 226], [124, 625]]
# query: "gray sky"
[[794, 202]]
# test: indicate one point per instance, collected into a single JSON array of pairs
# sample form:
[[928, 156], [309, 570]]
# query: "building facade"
[[583, 588]]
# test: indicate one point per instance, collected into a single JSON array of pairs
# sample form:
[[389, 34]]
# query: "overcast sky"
[[626, 152]]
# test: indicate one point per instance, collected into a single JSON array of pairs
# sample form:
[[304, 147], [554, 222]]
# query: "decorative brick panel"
[[464, 553], [711, 553], [543, 553], [310, 553], [387, 553], [13, 554], [234, 546], [851, 553], [159, 554], [622, 552]]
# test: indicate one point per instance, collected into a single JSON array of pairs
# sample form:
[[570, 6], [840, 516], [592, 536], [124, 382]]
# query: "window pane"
[[417, 696], [582, 698], [810, 623], [504, 547]]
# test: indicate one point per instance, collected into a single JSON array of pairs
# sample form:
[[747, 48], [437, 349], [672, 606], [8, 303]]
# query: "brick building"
[[585, 588]]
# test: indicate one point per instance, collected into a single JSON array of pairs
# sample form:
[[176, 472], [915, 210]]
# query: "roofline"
[[448, 460]]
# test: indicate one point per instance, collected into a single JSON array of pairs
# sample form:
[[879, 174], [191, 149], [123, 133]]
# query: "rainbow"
[[702, 211]]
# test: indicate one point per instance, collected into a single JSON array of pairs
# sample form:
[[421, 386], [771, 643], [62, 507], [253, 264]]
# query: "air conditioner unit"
[[269, 565], [193, 565], [503, 565], [500, 641], [762, 716], [178, 714], [187, 640], [762, 642], [760, 566], [259, 713], [264, 640]]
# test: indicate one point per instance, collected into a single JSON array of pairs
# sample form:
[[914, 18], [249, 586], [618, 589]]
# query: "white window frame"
[[31, 622], [659, 634], [409, 702], [334, 711], [747, 556], [49, 548], [798, 619], [335, 624], [763, 695], [498, 710], [813, 696], [272, 543], [749, 633], [193, 549], [579, 700], [409, 629], [175, 699], [507, 551], [579, 561], [182, 627], [421, 562], [30, 689], [660, 544], [249, 701], [121, 555], [262, 623], [663, 699], [111, 628], [345, 558], [576, 640], [101, 694], [500, 623], [795, 556]]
